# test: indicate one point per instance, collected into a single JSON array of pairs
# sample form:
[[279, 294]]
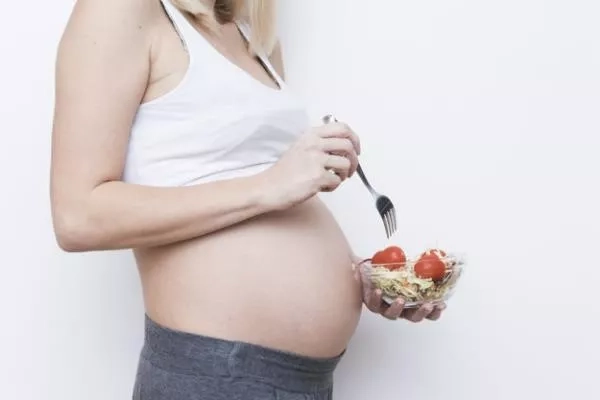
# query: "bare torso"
[[282, 280]]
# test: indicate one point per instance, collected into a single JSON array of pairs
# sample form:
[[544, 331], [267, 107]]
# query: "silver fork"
[[384, 205]]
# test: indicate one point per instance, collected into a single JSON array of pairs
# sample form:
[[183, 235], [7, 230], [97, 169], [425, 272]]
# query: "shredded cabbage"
[[405, 284]]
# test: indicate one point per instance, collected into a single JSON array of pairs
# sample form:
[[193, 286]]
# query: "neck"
[[225, 10], [210, 4]]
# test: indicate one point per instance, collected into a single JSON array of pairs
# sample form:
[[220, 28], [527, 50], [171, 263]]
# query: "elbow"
[[74, 233], [71, 244]]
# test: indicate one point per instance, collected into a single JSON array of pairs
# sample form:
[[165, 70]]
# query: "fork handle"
[[363, 178], [328, 119]]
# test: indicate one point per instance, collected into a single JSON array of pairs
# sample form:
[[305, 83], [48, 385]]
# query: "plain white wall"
[[480, 119]]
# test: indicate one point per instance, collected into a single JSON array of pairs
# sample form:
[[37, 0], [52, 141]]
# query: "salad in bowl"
[[429, 277]]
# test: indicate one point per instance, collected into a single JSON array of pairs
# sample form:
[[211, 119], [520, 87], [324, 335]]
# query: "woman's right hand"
[[320, 160]]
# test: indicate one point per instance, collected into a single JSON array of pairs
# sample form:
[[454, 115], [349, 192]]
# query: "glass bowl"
[[401, 281]]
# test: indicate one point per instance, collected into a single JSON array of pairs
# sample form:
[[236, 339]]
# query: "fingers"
[[342, 147], [437, 312], [342, 131], [366, 284], [335, 170], [362, 283], [358, 277], [356, 260], [330, 181], [418, 314], [373, 300], [394, 311], [338, 164]]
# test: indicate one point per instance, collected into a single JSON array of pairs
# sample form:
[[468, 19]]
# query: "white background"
[[479, 118]]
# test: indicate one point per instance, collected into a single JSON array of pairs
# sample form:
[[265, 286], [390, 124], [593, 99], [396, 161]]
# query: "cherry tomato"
[[376, 259], [393, 257], [442, 255], [435, 252], [429, 266]]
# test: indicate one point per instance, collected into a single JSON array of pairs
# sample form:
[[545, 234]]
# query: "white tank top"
[[218, 123]]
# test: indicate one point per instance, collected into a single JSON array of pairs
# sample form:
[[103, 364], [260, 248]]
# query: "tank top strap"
[[187, 33], [244, 28]]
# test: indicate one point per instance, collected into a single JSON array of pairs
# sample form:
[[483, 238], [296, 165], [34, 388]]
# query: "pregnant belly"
[[282, 280]]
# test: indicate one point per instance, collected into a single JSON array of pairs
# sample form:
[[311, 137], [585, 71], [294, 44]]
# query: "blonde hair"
[[259, 14]]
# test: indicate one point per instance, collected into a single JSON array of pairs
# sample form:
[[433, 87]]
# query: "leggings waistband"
[[191, 354]]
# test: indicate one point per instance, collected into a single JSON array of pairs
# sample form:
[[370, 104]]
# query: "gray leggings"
[[181, 366]]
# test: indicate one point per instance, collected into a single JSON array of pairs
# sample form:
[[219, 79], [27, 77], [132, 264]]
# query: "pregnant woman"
[[176, 136]]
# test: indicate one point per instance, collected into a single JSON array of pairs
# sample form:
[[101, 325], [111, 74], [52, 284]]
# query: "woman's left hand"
[[372, 298]]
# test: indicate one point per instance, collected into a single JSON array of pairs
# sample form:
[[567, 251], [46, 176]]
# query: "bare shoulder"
[[98, 12], [92, 19], [102, 69], [276, 59]]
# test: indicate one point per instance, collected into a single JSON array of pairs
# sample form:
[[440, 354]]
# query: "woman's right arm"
[[102, 73]]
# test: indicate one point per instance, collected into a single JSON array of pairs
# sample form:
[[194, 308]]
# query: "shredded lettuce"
[[405, 284]]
